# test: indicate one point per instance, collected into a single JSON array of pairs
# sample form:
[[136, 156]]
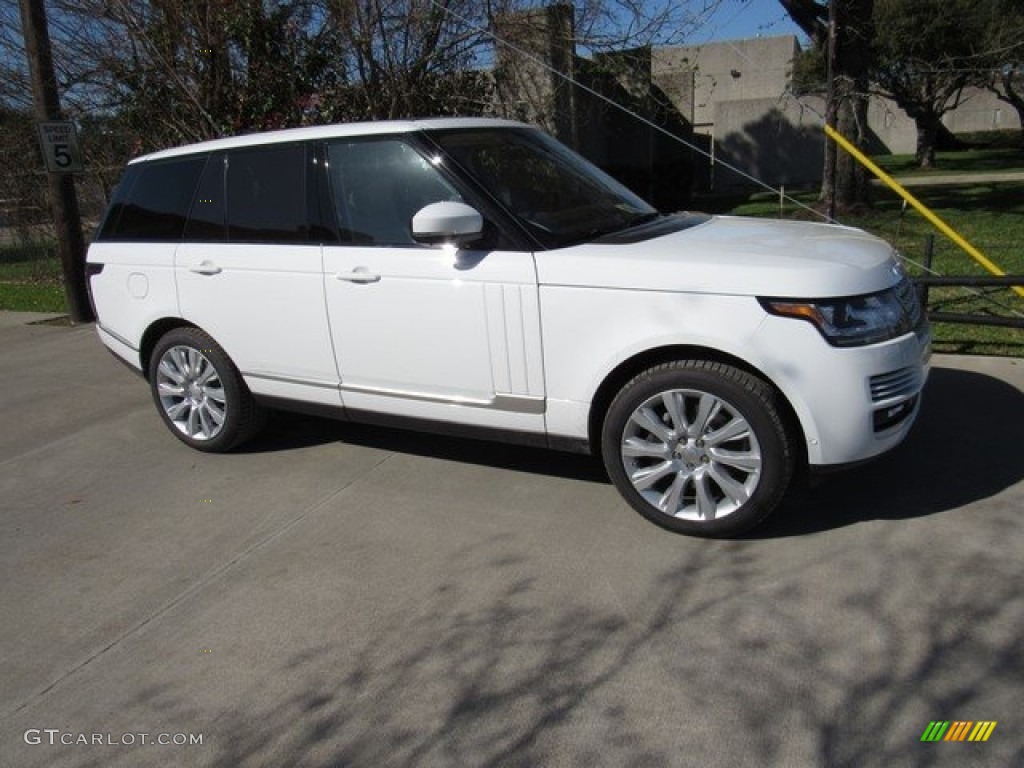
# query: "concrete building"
[[736, 94]]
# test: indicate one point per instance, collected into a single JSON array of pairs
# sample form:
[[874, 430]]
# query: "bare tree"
[[175, 71], [1004, 23], [927, 53], [409, 57], [418, 57], [844, 180]]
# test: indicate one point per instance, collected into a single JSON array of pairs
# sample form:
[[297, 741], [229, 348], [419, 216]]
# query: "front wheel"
[[698, 447], [200, 394]]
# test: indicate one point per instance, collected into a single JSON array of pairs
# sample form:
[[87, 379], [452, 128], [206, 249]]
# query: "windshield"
[[557, 195]]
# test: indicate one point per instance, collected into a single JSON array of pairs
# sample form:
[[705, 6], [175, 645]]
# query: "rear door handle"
[[205, 268], [358, 275]]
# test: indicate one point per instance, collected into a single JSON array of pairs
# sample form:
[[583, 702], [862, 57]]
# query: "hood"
[[733, 255]]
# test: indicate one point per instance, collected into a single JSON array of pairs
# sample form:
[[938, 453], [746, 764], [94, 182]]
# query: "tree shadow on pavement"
[[728, 657]]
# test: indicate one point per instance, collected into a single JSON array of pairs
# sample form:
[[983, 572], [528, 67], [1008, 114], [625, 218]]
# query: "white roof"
[[330, 132]]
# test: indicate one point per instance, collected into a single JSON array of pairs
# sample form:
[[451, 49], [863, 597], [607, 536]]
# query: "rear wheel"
[[200, 394], [698, 447]]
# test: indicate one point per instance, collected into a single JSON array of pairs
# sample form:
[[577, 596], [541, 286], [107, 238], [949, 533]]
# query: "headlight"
[[854, 321]]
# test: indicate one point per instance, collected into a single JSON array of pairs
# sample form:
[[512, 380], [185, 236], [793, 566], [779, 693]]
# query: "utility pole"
[[831, 112], [66, 218]]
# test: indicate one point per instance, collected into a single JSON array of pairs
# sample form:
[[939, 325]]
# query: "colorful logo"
[[958, 730]]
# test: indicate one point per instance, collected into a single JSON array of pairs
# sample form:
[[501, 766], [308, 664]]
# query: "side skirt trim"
[[534, 439], [502, 401]]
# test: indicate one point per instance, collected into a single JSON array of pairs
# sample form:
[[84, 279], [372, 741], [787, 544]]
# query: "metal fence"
[[925, 282]]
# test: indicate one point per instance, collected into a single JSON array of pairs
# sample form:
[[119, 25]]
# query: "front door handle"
[[358, 275], [205, 268]]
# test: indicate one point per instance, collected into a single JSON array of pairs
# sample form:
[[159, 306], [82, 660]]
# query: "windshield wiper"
[[596, 233], [644, 218]]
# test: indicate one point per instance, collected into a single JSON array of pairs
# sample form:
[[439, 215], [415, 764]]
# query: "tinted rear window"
[[206, 222], [266, 194], [152, 201]]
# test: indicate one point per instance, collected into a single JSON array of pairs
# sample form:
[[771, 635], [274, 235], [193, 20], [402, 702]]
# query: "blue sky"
[[735, 19]]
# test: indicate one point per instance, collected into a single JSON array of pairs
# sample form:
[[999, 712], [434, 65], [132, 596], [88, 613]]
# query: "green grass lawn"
[[966, 161], [32, 298], [30, 278]]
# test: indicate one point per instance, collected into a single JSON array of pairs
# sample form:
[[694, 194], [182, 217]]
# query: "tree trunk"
[[852, 177], [830, 181], [927, 137], [845, 181]]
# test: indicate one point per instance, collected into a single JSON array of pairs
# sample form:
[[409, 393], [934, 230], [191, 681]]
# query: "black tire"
[[664, 467], [199, 393]]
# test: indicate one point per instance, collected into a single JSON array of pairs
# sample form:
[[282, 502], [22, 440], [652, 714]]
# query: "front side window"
[[266, 195], [152, 200], [378, 186], [556, 194]]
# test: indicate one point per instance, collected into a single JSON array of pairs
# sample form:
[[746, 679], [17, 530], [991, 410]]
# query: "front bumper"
[[852, 403]]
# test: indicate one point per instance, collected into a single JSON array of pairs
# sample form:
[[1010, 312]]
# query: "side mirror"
[[447, 222]]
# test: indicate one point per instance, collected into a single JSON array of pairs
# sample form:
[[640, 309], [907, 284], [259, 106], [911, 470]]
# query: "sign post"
[[60, 147]]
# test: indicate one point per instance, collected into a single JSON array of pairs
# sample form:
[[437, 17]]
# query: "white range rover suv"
[[475, 276]]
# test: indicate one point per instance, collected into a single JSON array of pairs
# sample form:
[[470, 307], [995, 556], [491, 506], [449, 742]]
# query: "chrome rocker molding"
[[501, 401], [117, 337], [287, 380]]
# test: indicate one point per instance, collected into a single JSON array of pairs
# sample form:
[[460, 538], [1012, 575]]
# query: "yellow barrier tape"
[[920, 207]]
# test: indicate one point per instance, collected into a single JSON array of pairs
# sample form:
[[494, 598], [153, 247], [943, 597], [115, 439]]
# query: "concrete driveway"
[[340, 596]]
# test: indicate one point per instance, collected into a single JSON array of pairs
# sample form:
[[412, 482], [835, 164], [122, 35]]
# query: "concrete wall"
[[735, 94], [735, 70], [980, 111], [778, 141], [892, 131]]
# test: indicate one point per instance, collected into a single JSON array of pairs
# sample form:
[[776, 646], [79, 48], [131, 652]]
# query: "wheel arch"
[[153, 334], [627, 369]]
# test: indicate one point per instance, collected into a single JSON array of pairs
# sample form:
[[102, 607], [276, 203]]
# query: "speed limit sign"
[[59, 142]]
